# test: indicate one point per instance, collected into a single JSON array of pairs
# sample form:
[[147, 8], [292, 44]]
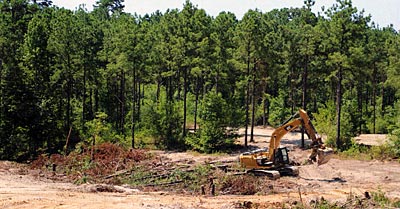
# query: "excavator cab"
[[281, 156]]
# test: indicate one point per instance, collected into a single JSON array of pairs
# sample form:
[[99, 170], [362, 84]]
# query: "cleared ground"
[[21, 187]]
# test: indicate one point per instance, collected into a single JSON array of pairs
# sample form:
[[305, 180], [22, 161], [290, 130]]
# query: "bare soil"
[[22, 187]]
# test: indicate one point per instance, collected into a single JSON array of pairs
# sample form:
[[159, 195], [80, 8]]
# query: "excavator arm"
[[320, 153], [277, 135]]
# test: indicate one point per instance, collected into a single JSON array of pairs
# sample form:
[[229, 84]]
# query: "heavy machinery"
[[274, 162]]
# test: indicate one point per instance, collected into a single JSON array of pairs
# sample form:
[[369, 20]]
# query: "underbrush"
[[363, 152], [174, 179]]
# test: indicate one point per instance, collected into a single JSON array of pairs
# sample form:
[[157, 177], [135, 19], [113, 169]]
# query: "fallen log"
[[163, 184]]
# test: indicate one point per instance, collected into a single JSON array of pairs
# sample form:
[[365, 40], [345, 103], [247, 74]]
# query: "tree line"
[[181, 78]]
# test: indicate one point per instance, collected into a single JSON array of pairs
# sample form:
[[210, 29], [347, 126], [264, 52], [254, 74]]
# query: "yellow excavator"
[[274, 162]]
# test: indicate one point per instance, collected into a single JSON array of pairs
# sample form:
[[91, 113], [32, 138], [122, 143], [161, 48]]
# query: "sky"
[[383, 12]]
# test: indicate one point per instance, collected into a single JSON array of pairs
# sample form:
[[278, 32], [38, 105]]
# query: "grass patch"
[[365, 152]]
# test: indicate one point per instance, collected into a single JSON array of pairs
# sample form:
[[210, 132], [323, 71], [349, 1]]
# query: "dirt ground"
[[335, 181]]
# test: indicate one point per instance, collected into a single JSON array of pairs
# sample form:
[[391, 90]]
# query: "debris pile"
[[91, 164]]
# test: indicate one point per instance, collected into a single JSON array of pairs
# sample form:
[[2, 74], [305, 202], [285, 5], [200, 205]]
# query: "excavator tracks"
[[271, 174]]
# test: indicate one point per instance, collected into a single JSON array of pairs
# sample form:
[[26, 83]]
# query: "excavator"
[[274, 162]]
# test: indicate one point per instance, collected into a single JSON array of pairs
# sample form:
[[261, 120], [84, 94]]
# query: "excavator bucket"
[[324, 155]]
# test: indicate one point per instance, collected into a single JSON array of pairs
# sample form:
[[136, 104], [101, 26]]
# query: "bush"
[[325, 123], [395, 131], [278, 113], [211, 136], [162, 120], [395, 143], [381, 152], [99, 129]]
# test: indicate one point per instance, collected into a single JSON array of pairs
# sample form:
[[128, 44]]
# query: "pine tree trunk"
[[90, 116], [184, 102], [196, 103], [1, 90], [69, 86], [158, 91], [264, 101], [360, 109], [133, 109], [253, 101], [291, 94], [84, 99], [122, 103], [374, 98], [139, 99], [247, 96], [383, 98], [338, 107], [96, 98], [304, 97]]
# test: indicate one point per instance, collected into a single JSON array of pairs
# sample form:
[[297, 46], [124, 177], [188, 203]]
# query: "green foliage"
[[170, 123], [395, 131], [194, 179], [395, 143], [278, 112], [211, 135], [325, 121], [381, 152], [380, 198], [357, 151], [99, 129], [380, 123], [154, 76], [189, 180]]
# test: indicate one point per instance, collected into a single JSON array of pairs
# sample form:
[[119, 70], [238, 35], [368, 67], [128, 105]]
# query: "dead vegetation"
[[91, 165]]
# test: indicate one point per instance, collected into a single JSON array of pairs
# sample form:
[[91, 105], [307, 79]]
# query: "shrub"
[[325, 123], [278, 113], [213, 115]]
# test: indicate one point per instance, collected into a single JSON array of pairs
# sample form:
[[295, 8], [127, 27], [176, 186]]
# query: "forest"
[[181, 79]]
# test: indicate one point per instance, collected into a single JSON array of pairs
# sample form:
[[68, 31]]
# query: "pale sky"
[[384, 12]]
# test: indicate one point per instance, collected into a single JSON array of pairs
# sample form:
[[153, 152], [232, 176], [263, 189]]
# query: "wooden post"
[[203, 191], [301, 200]]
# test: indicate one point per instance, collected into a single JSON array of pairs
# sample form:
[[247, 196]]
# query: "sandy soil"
[[371, 139], [336, 180]]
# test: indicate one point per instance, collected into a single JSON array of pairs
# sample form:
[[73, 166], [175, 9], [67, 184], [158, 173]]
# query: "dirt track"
[[23, 188]]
